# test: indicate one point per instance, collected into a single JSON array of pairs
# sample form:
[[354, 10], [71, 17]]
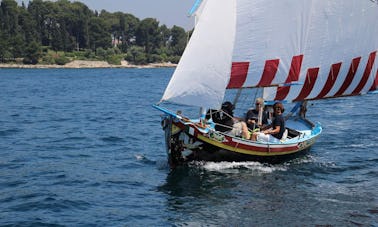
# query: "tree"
[[179, 40], [148, 35], [27, 26], [65, 25], [4, 47], [81, 16], [165, 34], [130, 30], [98, 36], [39, 12], [17, 46], [9, 17], [32, 53], [136, 54]]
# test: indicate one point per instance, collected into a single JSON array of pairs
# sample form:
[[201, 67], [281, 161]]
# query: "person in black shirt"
[[225, 122], [277, 129], [223, 117]]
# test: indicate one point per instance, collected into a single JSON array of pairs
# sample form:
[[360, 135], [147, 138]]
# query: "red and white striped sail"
[[327, 47]]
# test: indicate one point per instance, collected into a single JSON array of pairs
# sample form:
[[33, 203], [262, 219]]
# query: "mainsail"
[[328, 48], [203, 71]]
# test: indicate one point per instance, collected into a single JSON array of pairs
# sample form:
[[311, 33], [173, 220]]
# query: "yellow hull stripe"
[[249, 152]]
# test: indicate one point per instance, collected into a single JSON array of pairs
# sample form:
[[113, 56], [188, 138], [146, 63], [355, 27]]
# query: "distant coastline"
[[31, 34], [78, 64]]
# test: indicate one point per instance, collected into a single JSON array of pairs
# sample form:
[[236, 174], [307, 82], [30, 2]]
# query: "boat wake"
[[232, 167], [143, 159], [263, 168]]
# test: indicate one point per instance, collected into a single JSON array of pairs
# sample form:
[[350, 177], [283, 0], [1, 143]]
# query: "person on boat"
[[222, 118], [226, 122], [252, 115], [276, 130]]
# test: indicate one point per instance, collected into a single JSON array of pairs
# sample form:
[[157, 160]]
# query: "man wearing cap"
[[225, 122]]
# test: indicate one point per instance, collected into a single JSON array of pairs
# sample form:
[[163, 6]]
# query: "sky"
[[168, 12]]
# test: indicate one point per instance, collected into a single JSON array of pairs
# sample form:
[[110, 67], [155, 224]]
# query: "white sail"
[[328, 47], [203, 72]]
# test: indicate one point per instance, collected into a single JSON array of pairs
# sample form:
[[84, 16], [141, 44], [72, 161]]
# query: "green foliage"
[[32, 53], [58, 58], [4, 48], [61, 60], [154, 58], [174, 59], [136, 55], [72, 28], [101, 53], [148, 34], [140, 59], [89, 54], [48, 59], [114, 59], [179, 38]]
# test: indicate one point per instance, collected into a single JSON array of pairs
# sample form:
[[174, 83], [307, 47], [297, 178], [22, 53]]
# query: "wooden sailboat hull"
[[187, 141], [216, 154]]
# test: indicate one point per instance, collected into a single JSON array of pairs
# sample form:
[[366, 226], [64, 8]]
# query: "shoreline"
[[82, 64]]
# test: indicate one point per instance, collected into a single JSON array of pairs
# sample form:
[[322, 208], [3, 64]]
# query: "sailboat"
[[289, 51]]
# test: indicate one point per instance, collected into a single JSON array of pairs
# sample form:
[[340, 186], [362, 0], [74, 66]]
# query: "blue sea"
[[84, 147]]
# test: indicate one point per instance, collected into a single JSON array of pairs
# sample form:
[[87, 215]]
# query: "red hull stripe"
[[270, 70], [366, 74], [272, 149], [257, 149], [295, 69], [239, 73], [375, 84], [332, 76], [312, 75], [349, 78]]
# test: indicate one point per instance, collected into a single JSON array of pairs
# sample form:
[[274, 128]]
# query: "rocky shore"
[[88, 64]]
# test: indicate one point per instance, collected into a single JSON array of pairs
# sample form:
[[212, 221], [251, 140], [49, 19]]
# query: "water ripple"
[[84, 147]]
